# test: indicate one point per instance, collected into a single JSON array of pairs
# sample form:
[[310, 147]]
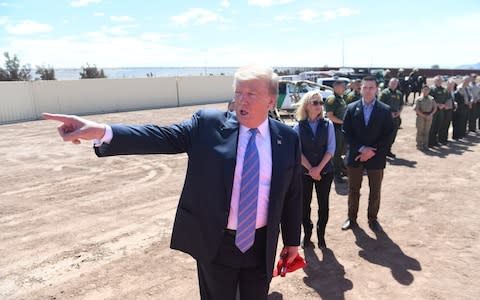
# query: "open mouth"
[[243, 112]]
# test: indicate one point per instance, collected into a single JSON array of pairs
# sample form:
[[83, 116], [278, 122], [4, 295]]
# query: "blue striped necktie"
[[247, 203]]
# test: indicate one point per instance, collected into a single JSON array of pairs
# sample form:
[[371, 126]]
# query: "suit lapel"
[[229, 131], [277, 143], [359, 113], [373, 115]]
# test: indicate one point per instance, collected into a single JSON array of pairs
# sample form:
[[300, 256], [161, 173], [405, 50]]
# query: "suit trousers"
[[472, 118], [444, 126], [437, 120], [232, 270], [339, 151], [322, 189], [460, 122], [478, 115], [355, 177], [393, 136]]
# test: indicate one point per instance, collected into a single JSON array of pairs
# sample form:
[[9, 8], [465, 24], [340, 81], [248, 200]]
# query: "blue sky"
[[115, 33]]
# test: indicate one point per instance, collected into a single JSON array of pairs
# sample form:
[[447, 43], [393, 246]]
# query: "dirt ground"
[[73, 226]]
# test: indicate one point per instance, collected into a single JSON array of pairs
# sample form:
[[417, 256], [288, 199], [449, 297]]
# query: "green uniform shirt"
[[353, 96], [440, 94], [392, 99], [425, 104], [337, 105]]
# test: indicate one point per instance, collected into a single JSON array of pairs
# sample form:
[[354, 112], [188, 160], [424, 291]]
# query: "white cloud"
[[109, 31], [340, 12], [28, 27], [346, 12], [198, 16], [105, 52], [313, 16], [465, 22], [98, 14], [224, 3], [283, 18], [121, 18], [118, 30], [3, 20], [4, 4], [153, 36], [308, 15], [80, 3], [267, 3]]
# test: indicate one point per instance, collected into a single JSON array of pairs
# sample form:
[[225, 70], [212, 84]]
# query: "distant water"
[[72, 74]]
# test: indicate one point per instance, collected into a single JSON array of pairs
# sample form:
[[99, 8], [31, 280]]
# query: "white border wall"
[[204, 89], [20, 101], [16, 101]]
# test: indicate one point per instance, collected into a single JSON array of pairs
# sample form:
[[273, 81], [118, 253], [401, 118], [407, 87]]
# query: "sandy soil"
[[76, 227]]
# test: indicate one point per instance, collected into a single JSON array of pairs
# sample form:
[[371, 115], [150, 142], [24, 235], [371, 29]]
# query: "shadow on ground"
[[385, 252], [326, 276]]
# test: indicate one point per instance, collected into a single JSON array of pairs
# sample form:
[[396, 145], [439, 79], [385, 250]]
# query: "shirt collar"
[[262, 128], [368, 105]]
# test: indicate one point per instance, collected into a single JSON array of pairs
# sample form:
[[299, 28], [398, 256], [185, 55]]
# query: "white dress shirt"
[[264, 147]]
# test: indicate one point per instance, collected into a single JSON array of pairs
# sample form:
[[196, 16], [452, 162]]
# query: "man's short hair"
[[338, 83], [370, 78], [253, 72]]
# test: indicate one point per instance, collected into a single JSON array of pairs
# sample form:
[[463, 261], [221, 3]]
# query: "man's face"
[[356, 86], [339, 89], [369, 89], [252, 102], [438, 81], [393, 84]]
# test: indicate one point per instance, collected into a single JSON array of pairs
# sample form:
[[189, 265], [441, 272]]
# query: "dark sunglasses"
[[316, 102]]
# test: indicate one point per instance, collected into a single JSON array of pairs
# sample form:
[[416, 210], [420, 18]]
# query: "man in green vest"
[[393, 98], [440, 95], [335, 106]]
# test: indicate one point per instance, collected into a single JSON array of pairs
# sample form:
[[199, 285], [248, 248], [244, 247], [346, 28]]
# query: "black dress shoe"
[[375, 226], [349, 224], [391, 155], [307, 244]]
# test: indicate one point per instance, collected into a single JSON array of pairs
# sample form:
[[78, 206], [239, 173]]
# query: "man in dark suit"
[[367, 127], [243, 183]]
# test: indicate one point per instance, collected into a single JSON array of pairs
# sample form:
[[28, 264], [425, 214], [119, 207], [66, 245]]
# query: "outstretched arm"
[[128, 139]]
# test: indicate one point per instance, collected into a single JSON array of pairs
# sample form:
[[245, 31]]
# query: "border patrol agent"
[[335, 107], [393, 98]]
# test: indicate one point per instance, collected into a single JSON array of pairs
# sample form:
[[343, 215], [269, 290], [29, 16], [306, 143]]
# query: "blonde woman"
[[317, 138]]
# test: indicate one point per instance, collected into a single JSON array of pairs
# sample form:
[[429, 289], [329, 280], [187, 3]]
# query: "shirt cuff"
[[361, 149], [107, 137]]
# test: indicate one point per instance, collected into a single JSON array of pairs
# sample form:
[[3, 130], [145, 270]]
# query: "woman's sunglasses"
[[316, 102]]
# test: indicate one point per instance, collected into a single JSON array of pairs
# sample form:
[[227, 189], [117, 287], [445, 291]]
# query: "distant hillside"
[[472, 66]]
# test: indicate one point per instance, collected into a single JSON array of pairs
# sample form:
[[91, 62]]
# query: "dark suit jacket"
[[376, 134], [210, 140]]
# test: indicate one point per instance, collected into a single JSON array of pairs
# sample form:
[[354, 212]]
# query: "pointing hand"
[[74, 128]]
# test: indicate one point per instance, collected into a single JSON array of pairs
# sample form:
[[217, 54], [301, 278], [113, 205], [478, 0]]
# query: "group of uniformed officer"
[[437, 108]]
